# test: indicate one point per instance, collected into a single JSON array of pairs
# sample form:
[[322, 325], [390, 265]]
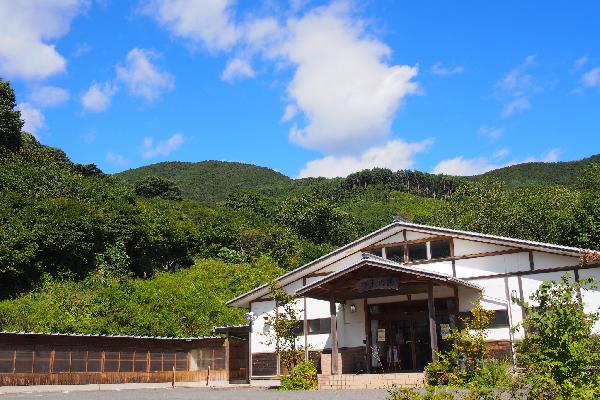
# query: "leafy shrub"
[[302, 377], [493, 374], [413, 394]]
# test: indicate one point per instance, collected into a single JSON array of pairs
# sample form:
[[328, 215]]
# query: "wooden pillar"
[[334, 344], [227, 355], [432, 324], [305, 324], [368, 334]]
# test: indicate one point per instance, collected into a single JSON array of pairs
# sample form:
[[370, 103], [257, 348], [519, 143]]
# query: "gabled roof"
[[371, 263], [244, 299]]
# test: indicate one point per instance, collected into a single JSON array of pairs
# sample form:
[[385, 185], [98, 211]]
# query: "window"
[[377, 252], [440, 248], [395, 253], [417, 251], [500, 319], [319, 326]]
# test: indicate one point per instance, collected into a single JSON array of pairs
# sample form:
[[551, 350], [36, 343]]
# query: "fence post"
[[173, 380], [207, 375]]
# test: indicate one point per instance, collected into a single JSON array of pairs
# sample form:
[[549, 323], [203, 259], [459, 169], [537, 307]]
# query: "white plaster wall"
[[492, 265], [351, 327], [547, 260], [258, 337], [463, 247], [591, 297], [411, 235], [444, 267]]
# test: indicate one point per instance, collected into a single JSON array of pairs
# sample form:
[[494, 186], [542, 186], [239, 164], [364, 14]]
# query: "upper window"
[[417, 251], [319, 326], [377, 252], [395, 253], [440, 248]]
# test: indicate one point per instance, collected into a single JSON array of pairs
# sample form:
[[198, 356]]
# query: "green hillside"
[[564, 173], [210, 181]]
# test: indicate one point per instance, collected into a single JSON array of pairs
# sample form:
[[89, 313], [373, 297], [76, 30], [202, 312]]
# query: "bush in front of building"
[[558, 357], [302, 377], [467, 363]]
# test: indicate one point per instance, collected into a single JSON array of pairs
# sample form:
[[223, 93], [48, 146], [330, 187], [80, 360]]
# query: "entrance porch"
[[407, 313]]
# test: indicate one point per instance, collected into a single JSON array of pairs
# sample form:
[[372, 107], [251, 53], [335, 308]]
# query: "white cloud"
[[490, 132], [517, 87], [98, 97], [474, 166], [342, 82], [209, 22], [290, 112], [439, 69], [395, 155], [515, 106], [237, 68], [49, 96], [115, 158], [142, 77], [591, 78], [162, 148], [33, 118], [580, 62], [27, 28]]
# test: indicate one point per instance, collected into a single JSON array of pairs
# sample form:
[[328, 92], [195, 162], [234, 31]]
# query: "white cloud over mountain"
[[33, 117], [395, 155], [474, 166], [163, 147]]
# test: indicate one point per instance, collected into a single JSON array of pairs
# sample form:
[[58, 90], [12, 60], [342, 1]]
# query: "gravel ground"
[[203, 394]]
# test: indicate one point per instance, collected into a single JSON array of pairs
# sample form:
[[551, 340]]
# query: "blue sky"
[[305, 87]]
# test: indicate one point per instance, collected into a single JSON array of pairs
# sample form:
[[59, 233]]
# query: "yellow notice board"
[[381, 335]]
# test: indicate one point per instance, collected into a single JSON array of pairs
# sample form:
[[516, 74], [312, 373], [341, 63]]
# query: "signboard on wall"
[[381, 335], [379, 283]]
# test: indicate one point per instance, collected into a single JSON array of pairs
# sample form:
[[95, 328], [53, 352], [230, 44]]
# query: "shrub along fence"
[[44, 359]]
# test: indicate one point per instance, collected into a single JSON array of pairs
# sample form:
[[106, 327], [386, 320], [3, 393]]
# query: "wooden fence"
[[51, 359]]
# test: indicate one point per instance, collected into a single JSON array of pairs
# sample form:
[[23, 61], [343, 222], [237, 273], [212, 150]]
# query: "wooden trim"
[[531, 263], [367, 333], [314, 275], [305, 325], [529, 272], [432, 323], [334, 343]]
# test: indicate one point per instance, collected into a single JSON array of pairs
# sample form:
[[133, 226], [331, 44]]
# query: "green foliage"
[[303, 376], [414, 394], [155, 186], [555, 354], [317, 220], [10, 119], [185, 303]]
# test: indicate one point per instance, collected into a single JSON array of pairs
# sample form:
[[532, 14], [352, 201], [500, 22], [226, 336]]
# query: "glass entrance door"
[[400, 345]]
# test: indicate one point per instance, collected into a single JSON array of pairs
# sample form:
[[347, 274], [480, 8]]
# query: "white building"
[[375, 302]]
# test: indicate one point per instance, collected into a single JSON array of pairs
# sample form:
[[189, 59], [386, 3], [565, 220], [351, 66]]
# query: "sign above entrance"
[[379, 283]]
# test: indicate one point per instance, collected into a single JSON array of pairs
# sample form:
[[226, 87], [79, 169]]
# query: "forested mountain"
[[564, 173], [210, 180], [158, 250]]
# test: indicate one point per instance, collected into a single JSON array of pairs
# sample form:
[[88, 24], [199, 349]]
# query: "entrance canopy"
[[377, 277]]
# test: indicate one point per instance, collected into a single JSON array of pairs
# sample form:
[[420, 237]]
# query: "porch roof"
[[345, 284]]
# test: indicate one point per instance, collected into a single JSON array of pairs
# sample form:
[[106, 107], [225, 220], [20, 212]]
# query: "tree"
[[286, 324], [155, 186], [10, 118], [556, 354]]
